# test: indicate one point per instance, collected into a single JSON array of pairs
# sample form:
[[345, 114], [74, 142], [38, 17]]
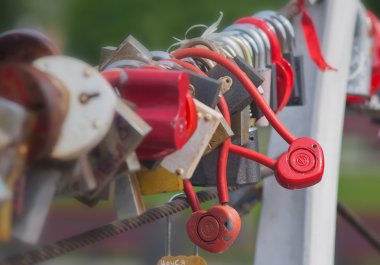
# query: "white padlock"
[[92, 103]]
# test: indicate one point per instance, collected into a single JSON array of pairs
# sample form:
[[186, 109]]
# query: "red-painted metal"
[[301, 166], [285, 76], [163, 100], [214, 230]]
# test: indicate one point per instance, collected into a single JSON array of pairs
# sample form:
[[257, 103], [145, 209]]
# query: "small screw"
[[87, 72], [179, 171], [207, 117]]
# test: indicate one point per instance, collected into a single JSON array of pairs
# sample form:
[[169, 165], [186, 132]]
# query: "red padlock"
[[163, 100], [44, 97], [214, 230], [285, 76], [303, 164]]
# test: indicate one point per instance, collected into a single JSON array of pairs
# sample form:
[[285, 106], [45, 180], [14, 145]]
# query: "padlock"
[[130, 49], [84, 125], [125, 135], [358, 87], [182, 163], [158, 180], [40, 189], [180, 260], [237, 98], [301, 166], [255, 111], [240, 171], [285, 31], [15, 125], [262, 58], [205, 89], [284, 71], [127, 198], [213, 230], [163, 100], [43, 101], [43, 96], [25, 46]]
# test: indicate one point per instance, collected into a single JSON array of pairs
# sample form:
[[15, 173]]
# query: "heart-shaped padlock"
[[301, 166], [214, 230]]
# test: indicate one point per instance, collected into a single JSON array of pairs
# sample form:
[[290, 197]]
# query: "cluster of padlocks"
[[147, 122]]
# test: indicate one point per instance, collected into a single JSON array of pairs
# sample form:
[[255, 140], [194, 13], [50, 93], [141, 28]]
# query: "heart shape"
[[301, 166], [214, 230]]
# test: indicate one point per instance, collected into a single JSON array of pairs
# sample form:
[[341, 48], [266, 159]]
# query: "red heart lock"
[[214, 230], [301, 166]]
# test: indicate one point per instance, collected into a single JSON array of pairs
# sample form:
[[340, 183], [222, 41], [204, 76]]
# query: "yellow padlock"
[[158, 181]]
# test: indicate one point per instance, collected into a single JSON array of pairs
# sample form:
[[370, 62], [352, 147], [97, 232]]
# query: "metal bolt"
[[207, 117], [87, 72], [179, 171]]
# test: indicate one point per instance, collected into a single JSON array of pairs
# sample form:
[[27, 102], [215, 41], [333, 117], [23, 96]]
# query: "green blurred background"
[[82, 27]]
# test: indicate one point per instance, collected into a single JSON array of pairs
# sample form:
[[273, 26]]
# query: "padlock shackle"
[[253, 155], [274, 42], [192, 197], [285, 75], [221, 176], [185, 65], [247, 83]]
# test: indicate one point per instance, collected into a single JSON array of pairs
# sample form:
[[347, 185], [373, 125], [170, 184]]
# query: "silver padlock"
[[84, 125], [39, 193], [128, 200], [130, 49], [361, 63], [126, 133]]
